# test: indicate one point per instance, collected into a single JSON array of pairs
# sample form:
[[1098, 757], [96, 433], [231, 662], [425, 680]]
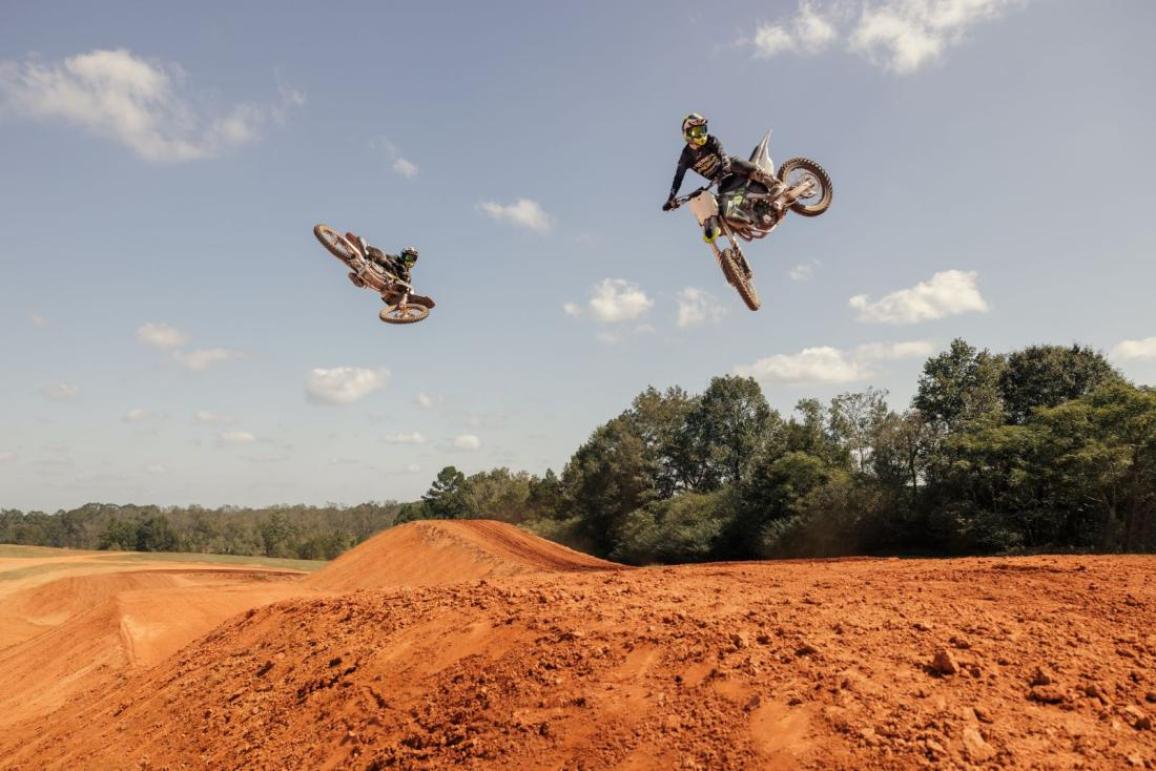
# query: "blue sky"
[[170, 332]]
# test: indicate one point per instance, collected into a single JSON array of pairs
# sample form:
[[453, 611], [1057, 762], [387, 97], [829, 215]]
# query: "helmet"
[[409, 256], [694, 129]]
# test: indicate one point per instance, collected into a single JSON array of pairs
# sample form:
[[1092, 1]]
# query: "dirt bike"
[[750, 210], [402, 306]]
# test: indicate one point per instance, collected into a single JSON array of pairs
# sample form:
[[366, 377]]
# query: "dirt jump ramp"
[[436, 552]]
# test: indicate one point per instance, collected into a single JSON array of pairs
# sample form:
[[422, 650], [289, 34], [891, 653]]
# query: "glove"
[[669, 204]]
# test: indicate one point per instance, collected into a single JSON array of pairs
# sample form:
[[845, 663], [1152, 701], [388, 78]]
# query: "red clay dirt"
[[1041, 662], [437, 552], [72, 623]]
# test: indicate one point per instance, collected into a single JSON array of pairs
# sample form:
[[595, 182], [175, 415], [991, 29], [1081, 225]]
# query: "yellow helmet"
[[694, 129]]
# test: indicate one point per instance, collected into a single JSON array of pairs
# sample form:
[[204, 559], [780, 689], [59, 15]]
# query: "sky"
[[171, 332]]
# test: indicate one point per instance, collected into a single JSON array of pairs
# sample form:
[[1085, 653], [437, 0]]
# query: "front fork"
[[734, 247]]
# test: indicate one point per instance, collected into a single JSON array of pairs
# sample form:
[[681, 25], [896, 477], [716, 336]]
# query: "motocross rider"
[[398, 265], [704, 153]]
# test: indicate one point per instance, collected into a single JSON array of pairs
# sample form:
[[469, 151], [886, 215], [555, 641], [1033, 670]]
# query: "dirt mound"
[[27, 612], [864, 665], [76, 633], [437, 552]]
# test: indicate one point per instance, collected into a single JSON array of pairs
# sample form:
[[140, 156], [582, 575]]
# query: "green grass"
[[307, 566], [11, 550], [30, 552]]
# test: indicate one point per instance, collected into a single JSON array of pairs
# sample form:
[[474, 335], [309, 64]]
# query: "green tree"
[[658, 418], [685, 528], [724, 431], [547, 498], [607, 478], [277, 535], [1049, 375], [856, 420], [1097, 460], [498, 494], [447, 496], [960, 385]]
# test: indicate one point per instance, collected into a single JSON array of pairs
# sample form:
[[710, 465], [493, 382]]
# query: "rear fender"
[[761, 155]]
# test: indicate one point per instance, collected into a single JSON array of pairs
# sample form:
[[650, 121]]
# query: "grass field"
[[13, 551]]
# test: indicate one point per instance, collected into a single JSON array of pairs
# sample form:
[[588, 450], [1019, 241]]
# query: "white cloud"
[[133, 101], [613, 300], [804, 271], [157, 468], [136, 415], [414, 437], [811, 365], [405, 168], [37, 320], [168, 338], [236, 437], [427, 401], [948, 293], [1136, 349], [343, 385], [205, 417], [892, 351], [809, 32], [696, 307], [904, 35], [467, 442], [901, 36], [825, 364], [7, 456], [401, 166], [523, 213], [161, 336], [413, 468], [59, 392], [203, 358]]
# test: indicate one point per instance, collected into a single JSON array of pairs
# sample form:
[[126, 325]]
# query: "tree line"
[[1045, 448], [297, 532]]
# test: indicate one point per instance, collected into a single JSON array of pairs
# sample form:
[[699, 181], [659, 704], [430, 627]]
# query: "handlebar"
[[691, 195]]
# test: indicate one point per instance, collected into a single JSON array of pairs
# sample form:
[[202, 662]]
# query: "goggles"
[[696, 132]]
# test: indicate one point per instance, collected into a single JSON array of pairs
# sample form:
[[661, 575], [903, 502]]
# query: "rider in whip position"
[[704, 153], [397, 265]]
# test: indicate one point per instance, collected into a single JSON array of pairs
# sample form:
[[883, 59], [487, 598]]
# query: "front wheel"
[[800, 171], [337, 244], [739, 276], [410, 313]]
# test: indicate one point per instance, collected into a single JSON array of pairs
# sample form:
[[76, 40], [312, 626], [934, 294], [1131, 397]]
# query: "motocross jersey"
[[391, 263], [710, 160]]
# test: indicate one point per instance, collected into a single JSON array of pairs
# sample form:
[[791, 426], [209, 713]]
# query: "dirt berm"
[[439, 552]]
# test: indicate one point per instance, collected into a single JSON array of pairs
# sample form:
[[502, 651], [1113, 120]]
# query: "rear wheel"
[[798, 171], [337, 244], [409, 313], [737, 275]]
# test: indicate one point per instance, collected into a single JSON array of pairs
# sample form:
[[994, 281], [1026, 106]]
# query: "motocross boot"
[[711, 230]]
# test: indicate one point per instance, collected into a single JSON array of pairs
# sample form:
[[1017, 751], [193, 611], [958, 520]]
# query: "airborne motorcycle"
[[401, 305], [749, 210]]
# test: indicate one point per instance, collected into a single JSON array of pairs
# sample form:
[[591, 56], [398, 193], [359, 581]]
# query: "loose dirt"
[[436, 552], [864, 664]]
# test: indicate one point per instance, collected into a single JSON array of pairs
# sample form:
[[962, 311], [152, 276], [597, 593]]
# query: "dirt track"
[[772, 665]]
